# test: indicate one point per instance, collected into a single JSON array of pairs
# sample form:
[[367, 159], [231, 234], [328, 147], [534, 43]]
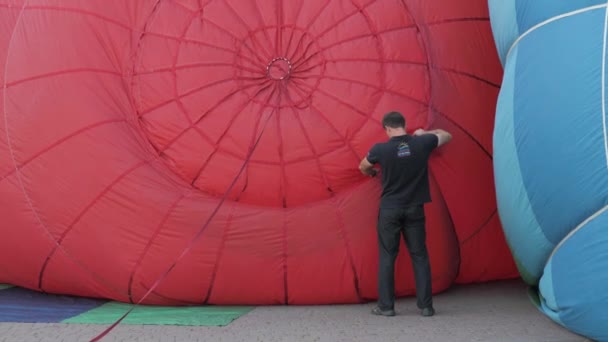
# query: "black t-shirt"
[[404, 163]]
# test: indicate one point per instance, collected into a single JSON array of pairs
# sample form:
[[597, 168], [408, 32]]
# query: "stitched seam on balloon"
[[284, 195], [219, 103], [198, 65], [285, 266], [167, 298], [455, 20], [463, 73], [263, 162], [218, 256], [80, 11], [604, 83], [454, 70], [28, 200], [394, 61], [279, 32], [176, 96], [180, 4], [389, 91], [339, 79], [198, 42], [574, 231], [346, 104], [409, 97], [467, 19], [242, 41], [63, 72], [322, 49], [202, 116], [368, 116], [178, 100], [453, 226], [220, 250], [199, 10], [238, 55], [110, 20], [297, 62], [346, 17], [282, 182], [188, 93], [370, 60], [59, 142], [149, 244], [346, 142], [489, 156], [306, 29], [255, 130], [365, 35], [135, 93], [340, 222], [349, 254], [273, 163], [292, 31], [294, 77], [251, 32], [207, 20], [217, 144], [59, 241], [550, 20], [380, 47], [82, 213], [477, 142], [314, 152], [122, 25], [190, 244], [260, 17], [294, 28], [478, 230], [425, 47]]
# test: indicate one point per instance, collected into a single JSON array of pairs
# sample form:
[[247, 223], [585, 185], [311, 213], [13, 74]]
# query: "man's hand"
[[419, 131], [443, 137], [367, 168]]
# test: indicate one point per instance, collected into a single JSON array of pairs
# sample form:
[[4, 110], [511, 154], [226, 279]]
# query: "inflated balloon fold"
[[214, 145], [551, 154]]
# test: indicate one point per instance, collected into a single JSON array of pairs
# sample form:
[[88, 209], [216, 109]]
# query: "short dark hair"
[[393, 120]]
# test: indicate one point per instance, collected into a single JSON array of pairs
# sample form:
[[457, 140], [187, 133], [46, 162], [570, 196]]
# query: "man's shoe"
[[380, 312], [428, 311]]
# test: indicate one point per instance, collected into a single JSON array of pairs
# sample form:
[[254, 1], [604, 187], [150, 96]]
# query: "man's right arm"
[[443, 137], [367, 164]]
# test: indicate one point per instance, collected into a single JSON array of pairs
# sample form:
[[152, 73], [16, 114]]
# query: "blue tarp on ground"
[[18, 305], [25, 306]]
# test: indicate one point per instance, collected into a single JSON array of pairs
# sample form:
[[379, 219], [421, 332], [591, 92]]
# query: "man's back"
[[404, 163]]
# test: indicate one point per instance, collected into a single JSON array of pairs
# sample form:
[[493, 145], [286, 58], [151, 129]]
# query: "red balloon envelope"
[[207, 151]]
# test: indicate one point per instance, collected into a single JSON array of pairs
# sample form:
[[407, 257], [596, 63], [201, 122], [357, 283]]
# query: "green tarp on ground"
[[21, 305], [161, 315]]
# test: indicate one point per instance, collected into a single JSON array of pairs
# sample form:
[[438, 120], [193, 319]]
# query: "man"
[[405, 189]]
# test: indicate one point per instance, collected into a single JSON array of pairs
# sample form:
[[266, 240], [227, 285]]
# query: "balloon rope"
[[196, 237]]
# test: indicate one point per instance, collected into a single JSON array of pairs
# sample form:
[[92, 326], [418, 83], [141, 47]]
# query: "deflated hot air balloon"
[[178, 152], [551, 154]]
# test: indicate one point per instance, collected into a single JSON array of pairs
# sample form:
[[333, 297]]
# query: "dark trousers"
[[409, 221]]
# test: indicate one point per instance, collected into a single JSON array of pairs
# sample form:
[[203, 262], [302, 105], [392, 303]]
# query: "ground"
[[498, 311]]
